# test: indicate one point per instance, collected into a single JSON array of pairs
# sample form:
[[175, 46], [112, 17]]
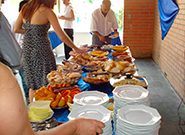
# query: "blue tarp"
[[54, 39], [168, 10]]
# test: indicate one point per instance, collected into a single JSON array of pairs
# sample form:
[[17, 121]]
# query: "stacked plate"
[[129, 95], [90, 98], [137, 120], [94, 112]]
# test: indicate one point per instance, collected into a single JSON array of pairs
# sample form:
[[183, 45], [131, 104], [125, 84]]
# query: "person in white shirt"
[[68, 18], [103, 21]]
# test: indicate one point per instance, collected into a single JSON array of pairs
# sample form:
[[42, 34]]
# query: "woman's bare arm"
[[79, 126], [61, 34], [14, 117], [18, 25]]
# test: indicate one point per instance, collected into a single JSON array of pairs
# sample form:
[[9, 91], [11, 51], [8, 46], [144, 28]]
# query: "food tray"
[[93, 81]]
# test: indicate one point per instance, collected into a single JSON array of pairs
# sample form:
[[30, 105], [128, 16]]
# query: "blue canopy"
[[168, 10]]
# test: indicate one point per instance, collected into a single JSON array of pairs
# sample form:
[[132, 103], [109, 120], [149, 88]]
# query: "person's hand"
[[102, 38], [86, 126], [61, 17], [78, 50]]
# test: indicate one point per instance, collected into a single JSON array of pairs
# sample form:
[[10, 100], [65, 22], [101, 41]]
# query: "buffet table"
[[61, 115], [132, 95]]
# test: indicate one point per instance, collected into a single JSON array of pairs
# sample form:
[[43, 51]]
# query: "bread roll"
[[74, 75], [114, 70], [129, 69], [108, 65], [124, 64], [119, 66]]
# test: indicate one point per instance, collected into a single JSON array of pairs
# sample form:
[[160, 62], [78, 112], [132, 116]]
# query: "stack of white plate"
[[90, 98], [129, 95], [137, 120], [94, 112]]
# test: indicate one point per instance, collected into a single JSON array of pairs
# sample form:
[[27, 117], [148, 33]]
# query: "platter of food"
[[93, 65], [99, 53], [58, 77], [58, 95], [82, 58], [129, 80], [119, 67], [101, 58], [39, 111], [124, 58], [69, 66], [96, 78], [119, 47], [114, 35], [119, 52], [106, 47]]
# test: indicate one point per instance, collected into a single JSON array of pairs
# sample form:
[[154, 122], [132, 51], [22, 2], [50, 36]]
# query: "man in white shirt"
[[103, 21]]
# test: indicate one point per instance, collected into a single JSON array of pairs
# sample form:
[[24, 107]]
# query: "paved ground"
[[164, 98]]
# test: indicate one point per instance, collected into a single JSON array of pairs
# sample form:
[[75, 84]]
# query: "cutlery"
[[95, 74], [56, 90]]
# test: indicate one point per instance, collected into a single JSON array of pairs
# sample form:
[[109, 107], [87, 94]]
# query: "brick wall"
[[141, 32], [169, 53], [138, 27]]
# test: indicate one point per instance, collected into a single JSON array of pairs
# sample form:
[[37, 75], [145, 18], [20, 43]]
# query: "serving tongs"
[[95, 74], [127, 75], [90, 66], [59, 89], [68, 61]]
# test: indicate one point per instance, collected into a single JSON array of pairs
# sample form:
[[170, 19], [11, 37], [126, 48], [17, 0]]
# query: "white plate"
[[130, 92], [91, 111], [138, 115], [138, 127], [91, 98], [134, 132], [120, 101]]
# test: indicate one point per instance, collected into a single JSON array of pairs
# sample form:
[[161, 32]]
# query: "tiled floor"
[[163, 98]]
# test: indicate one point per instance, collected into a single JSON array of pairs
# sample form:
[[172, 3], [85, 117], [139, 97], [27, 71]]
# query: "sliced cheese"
[[39, 110]]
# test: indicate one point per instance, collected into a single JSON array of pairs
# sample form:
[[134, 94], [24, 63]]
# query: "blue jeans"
[[26, 89]]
